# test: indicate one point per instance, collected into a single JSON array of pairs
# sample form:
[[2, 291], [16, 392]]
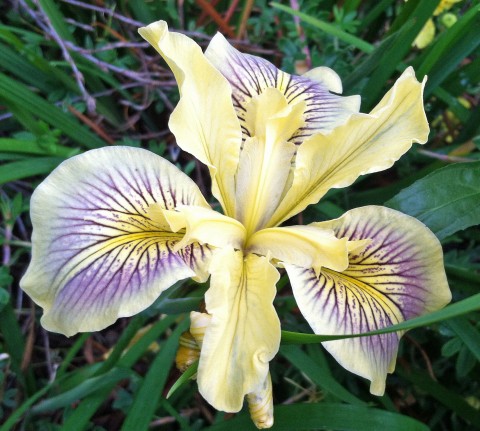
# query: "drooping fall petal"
[[366, 143], [249, 76], [243, 334], [101, 246], [397, 275], [204, 121]]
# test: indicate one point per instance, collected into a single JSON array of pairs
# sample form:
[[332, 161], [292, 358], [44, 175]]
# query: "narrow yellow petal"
[[304, 246], [204, 121], [205, 226], [365, 144], [265, 161], [243, 334]]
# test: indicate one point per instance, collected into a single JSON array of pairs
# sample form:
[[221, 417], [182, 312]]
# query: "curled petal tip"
[[260, 405]]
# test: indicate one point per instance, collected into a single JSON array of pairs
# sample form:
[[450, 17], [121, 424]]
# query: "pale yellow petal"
[[426, 35], [445, 5], [260, 405], [205, 226], [204, 121], [265, 161], [243, 334], [304, 246], [366, 143], [100, 247]]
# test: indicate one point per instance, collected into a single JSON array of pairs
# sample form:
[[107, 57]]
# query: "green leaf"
[[13, 91], [375, 59], [33, 147], [319, 375], [451, 48], [57, 19], [28, 168], [4, 297], [454, 310], [397, 51], [328, 28], [448, 398], [149, 392], [80, 417], [24, 408], [184, 378], [327, 416], [89, 386], [468, 334], [13, 340], [447, 200]]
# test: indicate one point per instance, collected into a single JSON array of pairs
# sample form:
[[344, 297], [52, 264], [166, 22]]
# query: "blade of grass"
[[449, 398], [457, 51], [397, 52], [145, 400], [16, 64], [376, 57], [33, 147], [24, 408], [28, 168], [376, 11], [468, 334], [79, 419], [441, 50], [85, 388], [13, 91], [183, 379], [407, 11], [458, 309], [328, 28], [13, 340], [57, 19], [72, 352], [327, 416], [127, 335], [320, 376]]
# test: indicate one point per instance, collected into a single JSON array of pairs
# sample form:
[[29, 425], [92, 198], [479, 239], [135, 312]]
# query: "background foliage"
[[74, 75]]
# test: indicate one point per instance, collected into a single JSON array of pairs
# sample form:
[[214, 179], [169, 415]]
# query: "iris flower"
[[114, 227]]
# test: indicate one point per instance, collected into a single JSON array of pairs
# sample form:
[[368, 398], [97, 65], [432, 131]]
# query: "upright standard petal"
[[365, 144], [243, 334], [101, 246], [266, 157], [396, 276], [204, 121], [249, 76]]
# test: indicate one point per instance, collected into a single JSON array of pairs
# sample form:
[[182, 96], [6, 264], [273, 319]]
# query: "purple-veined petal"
[[101, 247], [396, 276], [249, 76]]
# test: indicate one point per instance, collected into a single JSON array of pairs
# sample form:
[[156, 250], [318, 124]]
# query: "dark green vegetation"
[[75, 75]]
